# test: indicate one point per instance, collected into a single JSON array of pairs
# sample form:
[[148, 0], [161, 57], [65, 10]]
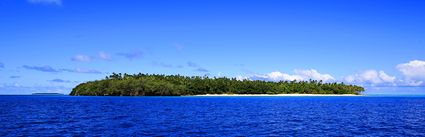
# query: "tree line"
[[140, 84]]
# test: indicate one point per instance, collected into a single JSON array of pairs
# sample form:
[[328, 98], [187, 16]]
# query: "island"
[[119, 84], [47, 94]]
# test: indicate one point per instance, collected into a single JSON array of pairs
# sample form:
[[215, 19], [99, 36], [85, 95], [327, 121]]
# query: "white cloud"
[[350, 78], [386, 78], [52, 2], [299, 75], [313, 74], [371, 77], [279, 76], [241, 78], [413, 75], [413, 71], [104, 56], [81, 58], [86, 58]]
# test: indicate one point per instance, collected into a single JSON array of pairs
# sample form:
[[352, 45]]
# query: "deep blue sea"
[[212, 116]]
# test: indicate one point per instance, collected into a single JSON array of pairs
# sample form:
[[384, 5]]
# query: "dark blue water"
[[211, 116]]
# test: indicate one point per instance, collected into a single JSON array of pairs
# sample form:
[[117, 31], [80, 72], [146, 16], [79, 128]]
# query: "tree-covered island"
[[176, 85]]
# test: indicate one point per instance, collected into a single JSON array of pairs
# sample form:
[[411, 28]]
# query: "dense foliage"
[[175, 85]]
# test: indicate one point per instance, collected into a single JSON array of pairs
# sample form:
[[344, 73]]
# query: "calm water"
[[211, 116]]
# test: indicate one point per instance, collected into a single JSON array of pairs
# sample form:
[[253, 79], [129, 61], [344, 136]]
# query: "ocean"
[[212, 116]]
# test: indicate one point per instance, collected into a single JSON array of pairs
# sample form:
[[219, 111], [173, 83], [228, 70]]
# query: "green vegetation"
[[176, 85]]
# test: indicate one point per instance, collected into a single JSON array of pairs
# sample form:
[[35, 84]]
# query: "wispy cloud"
[[202, 70], [14, 77], [132, 54], [53, 70], [191, 64], [86, 58], [60, 81], [48, 2], [45, 68], [81, 58], [104, 56], [82, 70], [197, 67], [165, 65], [162, 64]]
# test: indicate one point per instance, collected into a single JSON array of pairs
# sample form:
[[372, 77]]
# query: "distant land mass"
[[140, 84], [48, 94]]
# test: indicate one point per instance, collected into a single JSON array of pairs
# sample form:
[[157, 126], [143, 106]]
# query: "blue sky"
[[52, 45]]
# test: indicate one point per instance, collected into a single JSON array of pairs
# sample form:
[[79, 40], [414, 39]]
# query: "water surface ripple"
[[211, 116]]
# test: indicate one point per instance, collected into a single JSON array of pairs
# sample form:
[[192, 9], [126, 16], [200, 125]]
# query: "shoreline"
[[282, 95]]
